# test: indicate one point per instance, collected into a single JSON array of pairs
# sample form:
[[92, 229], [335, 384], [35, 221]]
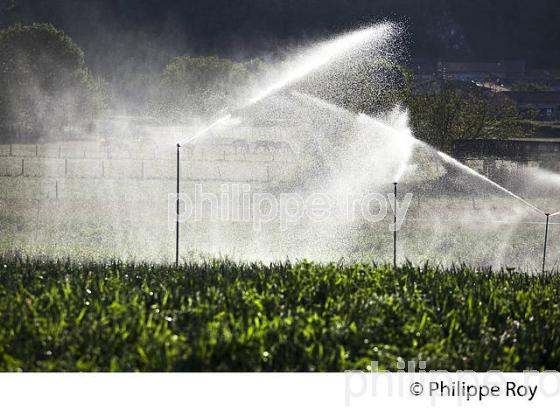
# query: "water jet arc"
[[453, 161]]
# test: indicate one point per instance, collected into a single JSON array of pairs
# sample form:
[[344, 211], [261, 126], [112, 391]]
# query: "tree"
[[199, 87], [450, 112], [45, 85]]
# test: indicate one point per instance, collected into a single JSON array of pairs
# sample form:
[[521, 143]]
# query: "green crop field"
[[221, 316]]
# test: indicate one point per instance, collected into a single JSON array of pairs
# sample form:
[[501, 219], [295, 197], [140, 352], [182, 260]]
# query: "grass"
[[220, 316]]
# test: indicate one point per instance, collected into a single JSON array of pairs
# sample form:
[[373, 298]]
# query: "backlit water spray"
[[226, 120], [453, 161], [295, 143], [403, 141], [326, 52], [296, 69], [401, 145]]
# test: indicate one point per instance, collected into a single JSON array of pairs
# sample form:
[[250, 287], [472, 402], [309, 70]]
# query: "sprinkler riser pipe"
[[177, 205], [545, 242], [395, 226]]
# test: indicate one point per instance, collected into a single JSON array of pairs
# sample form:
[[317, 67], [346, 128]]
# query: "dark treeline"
[[128, 44], [148, 32], [127, 54]]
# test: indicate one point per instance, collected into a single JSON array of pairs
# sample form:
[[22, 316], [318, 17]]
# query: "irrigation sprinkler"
[[395, 227], [177, 210], [545, 241]]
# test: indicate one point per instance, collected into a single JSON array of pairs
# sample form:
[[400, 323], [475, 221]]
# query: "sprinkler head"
[[178, 145]]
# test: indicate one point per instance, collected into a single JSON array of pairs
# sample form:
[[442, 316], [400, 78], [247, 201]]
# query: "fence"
[[49, 170]]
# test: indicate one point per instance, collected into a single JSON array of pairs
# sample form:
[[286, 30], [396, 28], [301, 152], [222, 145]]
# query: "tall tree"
[[45, 85], [449, 112]]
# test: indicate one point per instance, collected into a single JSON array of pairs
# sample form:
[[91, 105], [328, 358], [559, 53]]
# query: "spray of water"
[[372, 149], [395, 132], [362, 152], [403, 142], [324, 105], [325, 53], [309, 61], [471, 171], [224, 121], [542, 183]]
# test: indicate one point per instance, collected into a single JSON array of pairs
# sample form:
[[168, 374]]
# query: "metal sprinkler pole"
[[545, 241], [395, 228], [177, 210]]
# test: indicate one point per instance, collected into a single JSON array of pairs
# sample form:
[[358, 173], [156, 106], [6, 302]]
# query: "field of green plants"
[[221, 316]]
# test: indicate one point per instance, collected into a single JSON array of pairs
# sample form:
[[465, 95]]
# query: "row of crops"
[[221, 316]]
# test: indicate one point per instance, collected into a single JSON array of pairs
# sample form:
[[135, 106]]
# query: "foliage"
[[220, 316], [140, 36], [199, 86], [449, 112], [45, 84]]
